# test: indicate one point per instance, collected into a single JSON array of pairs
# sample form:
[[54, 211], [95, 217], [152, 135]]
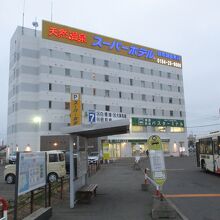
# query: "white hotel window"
[[81, 74], [50, 69], [169, 87], [132, 95], [171, 112], [144, 111], [106, 63], [67, 88], [68, 56], [120, 95], [143, 97], [142, 83], [152, 85], [106, 78], [67, 72], [81, 58], [107, 93], [131, 82]]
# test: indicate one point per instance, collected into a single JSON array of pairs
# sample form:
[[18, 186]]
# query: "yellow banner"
[[75, 109], [69, 35], [106, 152]]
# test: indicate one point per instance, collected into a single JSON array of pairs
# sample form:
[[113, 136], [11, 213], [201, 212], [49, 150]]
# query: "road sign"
[[92, 117], [157, 159]]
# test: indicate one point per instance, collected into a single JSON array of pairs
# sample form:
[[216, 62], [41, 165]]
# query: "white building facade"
[[116, 79]]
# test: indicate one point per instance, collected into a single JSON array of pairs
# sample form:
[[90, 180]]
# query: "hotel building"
[[114, 78]]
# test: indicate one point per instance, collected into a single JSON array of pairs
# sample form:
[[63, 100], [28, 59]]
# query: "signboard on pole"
[[92, 117], [75, 109], [31, 171], [157, 159]]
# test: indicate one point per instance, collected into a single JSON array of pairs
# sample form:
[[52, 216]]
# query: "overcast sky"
[[190, 28]]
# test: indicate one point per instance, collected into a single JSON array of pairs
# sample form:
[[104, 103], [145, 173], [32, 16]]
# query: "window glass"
[[107, 78], [106, 63], [205, 146], [176, 129], [61, 157], [67, 88], [137, 128], [67, 105], [53, 158], [67, 72], [160, 129]]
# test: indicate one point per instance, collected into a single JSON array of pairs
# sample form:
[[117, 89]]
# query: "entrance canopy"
[[100, 129], [90, 131]]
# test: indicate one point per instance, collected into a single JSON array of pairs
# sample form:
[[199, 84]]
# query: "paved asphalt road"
[[183, 177]]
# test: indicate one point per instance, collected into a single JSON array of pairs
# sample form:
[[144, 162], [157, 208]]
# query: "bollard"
[[144, 186]]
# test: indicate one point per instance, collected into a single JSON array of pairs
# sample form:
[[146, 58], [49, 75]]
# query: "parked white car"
[[93, 158], [55, 168]]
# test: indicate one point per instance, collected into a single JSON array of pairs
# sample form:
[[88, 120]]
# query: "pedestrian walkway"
[[119, 196]]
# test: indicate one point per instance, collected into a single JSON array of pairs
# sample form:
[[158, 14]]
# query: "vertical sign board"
[[92, 117], [31, 171], [75, 109], [157, 159], [106, 152]]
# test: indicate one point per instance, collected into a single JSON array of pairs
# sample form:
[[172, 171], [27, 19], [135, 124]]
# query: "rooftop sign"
[[69, 35]]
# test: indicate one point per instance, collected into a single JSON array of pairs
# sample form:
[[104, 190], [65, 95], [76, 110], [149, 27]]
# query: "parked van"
[[55, 167]]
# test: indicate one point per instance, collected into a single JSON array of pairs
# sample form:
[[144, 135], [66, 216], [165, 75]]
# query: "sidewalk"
[[119, 196]]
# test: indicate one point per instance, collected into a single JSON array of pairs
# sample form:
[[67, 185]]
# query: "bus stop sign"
[[157, 159]]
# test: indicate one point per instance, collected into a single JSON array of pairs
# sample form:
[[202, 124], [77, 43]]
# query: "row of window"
[[112, 64], [106, 93], [134, 129], [137, 129], [120, 80]]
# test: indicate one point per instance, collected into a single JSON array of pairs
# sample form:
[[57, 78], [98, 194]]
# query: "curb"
[[183, 217]]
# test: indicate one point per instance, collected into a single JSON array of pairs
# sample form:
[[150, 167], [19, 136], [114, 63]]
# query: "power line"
[[201, 126]]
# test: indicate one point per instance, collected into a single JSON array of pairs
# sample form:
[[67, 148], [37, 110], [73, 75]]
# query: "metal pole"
[[72, 186], [16, 186], [86, 149], [32, 201]]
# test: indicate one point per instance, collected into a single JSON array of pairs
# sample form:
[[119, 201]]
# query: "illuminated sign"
[[155, 122], [75, 109], [69, 35]]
